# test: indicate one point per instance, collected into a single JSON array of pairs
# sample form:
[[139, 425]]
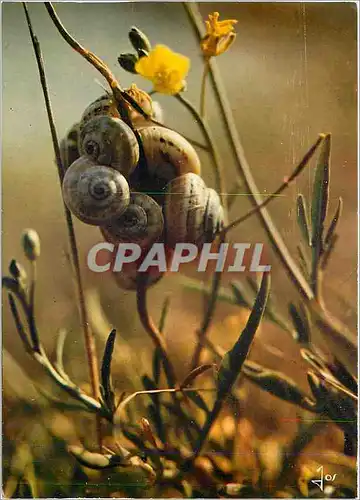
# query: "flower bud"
[[31, 244], [139, 40], [127, 62]]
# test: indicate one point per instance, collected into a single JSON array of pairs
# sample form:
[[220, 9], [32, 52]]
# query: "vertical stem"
[[203, 87], [88, 335]]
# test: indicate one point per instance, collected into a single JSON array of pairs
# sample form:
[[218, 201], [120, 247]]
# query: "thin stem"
[[208, 316], [153, 331], [297, 171], [203, 87], [88, 335]]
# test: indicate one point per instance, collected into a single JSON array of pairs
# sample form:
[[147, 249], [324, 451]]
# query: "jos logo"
[[327, 477]]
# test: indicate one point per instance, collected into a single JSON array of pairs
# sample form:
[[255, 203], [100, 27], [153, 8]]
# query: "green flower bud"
[[127, 62], [139, 40], [31, 244]]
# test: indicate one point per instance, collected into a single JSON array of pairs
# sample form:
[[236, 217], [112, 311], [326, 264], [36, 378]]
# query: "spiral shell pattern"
[[142, 222], [109, 141], [95, 193]]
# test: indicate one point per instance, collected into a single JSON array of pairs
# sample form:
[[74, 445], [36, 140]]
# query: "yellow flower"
[[165, 68], [219, 35]]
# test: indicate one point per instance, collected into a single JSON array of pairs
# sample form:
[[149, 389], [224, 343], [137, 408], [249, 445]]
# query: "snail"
[[109, 141], [104, 105], [69, 150], [142, 222], [167, 153], [193, 212], [94, 193]]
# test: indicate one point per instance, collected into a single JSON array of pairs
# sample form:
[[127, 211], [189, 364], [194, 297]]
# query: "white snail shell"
[[104, 105], [109, 141], [142, 222], [95, 193], [193, 212], [168, 154]]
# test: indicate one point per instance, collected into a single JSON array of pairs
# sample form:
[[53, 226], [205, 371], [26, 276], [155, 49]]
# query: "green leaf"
[[320, 197], [277, 384], [233, 360], [106, 371], [198, 400], [334, 223], [301, 320], [303, 219]]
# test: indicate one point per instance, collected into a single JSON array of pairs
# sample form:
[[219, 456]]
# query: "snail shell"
[[184, 208], [109, 141], [69, 150], [213, 216], [143, 100], [193, 212], [104, 105], [127, 278], [168, 154], [94, 193], [142, 222]]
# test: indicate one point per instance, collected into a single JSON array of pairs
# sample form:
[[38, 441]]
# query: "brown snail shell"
[[142, 222], [168, 154], [193, 212], [109, 141], [184, 207], [95, 193]]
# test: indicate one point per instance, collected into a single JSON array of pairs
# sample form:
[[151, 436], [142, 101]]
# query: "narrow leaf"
[[233, 360], [279, 385], [320, 198], [106, 370], [301, 322], [199, 370], [303, 219], [334, 223]]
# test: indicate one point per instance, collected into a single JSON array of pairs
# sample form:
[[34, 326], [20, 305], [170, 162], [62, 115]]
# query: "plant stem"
[[152, 330], [88, 336], [203, 87]]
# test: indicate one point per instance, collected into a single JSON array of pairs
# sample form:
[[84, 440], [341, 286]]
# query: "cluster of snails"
[[141, 186]]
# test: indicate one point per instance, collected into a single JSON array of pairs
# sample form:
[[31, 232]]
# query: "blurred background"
[[290, 75]]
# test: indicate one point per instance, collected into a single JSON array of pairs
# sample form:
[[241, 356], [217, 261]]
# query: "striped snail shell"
[[94, 193], [142, 222], [168, 154], [104, 105], [193, 213], [143, 100], [109, 141]]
